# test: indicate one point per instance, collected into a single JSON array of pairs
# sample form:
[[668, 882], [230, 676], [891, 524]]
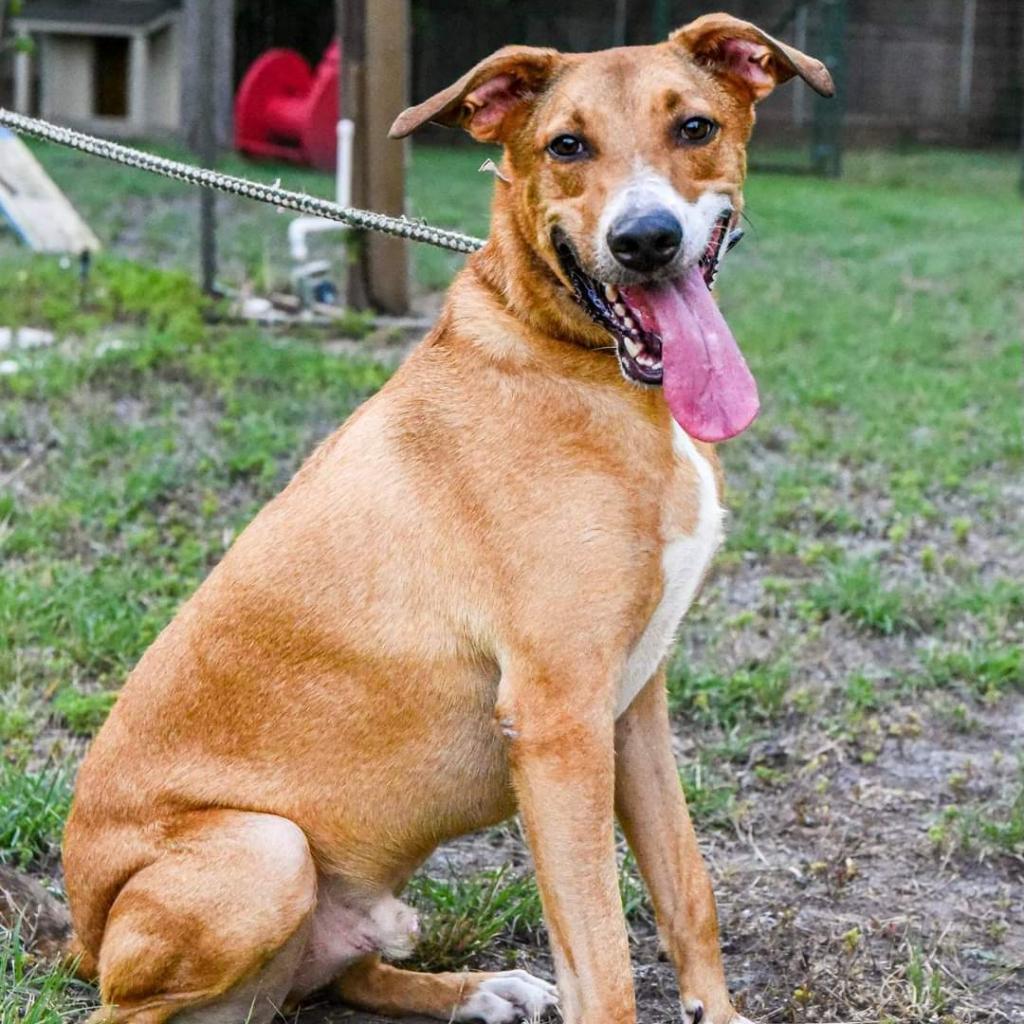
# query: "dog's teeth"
[[634, 348], [620, 309], [628, 321], [611, 293]]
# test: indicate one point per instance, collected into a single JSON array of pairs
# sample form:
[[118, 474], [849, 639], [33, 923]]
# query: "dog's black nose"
[[645, 241]]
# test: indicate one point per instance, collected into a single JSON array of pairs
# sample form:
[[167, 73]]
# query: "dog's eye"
[[697, 129], [567, 147]]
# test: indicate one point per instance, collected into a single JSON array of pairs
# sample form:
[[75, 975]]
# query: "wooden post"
[[374, 88], [350, 17], [386, 94]]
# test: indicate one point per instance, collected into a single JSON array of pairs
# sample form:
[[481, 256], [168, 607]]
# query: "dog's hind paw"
[[508, 997]]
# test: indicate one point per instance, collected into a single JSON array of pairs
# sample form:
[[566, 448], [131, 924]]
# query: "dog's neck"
[[519, 307]]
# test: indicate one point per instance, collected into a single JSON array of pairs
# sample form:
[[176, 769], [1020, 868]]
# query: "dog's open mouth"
[[670, 332]]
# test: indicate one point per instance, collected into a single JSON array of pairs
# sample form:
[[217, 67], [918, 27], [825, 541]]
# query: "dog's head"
[[623, 170]]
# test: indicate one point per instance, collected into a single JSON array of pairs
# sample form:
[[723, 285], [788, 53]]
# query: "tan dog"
[[461, 604]]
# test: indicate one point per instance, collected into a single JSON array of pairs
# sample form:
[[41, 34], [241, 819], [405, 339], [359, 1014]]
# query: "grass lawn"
[[849, 692]]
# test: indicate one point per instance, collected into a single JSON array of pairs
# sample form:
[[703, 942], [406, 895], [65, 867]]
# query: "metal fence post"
[[827, 125], [207, 146]]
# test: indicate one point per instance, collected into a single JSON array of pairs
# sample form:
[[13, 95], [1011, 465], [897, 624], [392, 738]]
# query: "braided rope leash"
[[274, 195]]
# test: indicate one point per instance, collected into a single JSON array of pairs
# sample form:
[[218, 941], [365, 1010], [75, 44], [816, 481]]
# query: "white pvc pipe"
[[301, 228], [346, 137]]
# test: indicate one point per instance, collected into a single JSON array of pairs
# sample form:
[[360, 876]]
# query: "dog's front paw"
[[508, 997], [695, 1012]]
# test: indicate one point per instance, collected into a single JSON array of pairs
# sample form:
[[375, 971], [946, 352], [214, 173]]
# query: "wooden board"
[[38, 212]]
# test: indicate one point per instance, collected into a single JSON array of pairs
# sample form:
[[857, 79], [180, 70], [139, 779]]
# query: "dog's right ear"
[[490, 98]]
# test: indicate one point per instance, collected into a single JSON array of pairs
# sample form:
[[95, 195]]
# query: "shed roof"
[[107, 13]]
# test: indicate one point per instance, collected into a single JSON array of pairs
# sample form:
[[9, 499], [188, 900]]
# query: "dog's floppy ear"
[[753, 59], [485, 98]]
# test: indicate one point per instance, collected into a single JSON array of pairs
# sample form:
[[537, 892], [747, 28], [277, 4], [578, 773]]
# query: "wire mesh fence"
[[945, 72]]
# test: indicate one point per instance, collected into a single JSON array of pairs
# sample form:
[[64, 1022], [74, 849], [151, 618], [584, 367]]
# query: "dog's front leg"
[[561, 751], [652, 811]]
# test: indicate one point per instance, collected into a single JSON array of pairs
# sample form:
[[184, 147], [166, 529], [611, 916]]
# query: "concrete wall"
[[66, 82], [163, 100]]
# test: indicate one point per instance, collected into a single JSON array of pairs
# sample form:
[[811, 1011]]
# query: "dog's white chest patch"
[[684, 561]]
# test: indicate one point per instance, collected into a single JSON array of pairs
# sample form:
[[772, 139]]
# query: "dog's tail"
[[42, 921]]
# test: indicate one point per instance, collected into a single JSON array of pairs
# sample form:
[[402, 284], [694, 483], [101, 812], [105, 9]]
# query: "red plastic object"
[[286, 111]]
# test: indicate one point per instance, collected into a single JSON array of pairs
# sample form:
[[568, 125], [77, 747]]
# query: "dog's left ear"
[[486, 99], [752, 59]]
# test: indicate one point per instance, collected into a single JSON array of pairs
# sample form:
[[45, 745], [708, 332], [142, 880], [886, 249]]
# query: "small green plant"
[[862, 693], [83, 712], [635, 903], [34, 992], [961, 526], [988, 669], [464, 916], [996, 827], [711, 801], [855, 591], [33, 806], [1005, 830], [754, 694], [925, 984]]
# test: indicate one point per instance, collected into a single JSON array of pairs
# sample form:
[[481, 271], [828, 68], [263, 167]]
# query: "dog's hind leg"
[[213, 930], [498, 998]]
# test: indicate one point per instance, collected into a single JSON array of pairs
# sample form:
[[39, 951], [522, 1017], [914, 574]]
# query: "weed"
[[755, 694], [466, 915], [711, 799], [83, 712], [855, 590], [994, 827], [862, 693], [988, 669], [33, 992], [924, 982], [33, 806]]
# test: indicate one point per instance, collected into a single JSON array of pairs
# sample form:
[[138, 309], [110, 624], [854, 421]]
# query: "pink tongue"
[[710, 391]]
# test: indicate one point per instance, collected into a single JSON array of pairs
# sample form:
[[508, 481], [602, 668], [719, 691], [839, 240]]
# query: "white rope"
[[366, 220]]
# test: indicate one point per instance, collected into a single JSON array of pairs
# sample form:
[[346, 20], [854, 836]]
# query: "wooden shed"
[[111, 66]]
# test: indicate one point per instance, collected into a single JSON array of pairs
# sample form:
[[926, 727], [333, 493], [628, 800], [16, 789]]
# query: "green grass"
[[156, 219], [879, 313], [753, 695], [988, 668], [468, 916], [855, 590], [985, 829], [33, 806], [464, 916], [32, 992]]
